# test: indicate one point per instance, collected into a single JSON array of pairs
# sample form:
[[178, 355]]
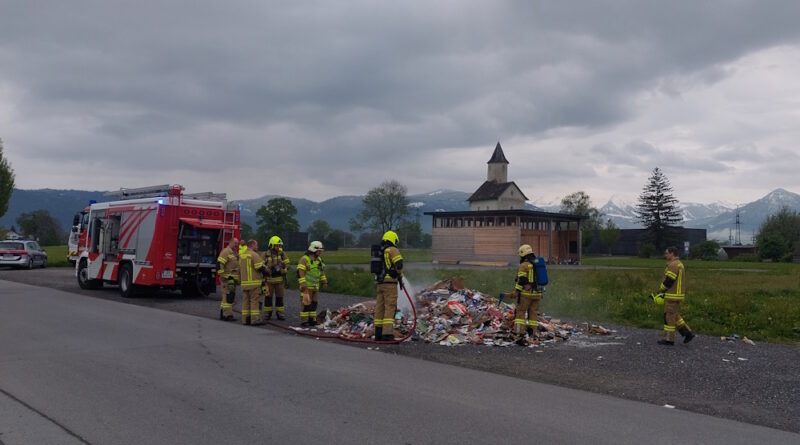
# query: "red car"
[[22, 253]]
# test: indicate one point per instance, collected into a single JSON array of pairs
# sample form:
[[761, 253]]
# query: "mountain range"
[[719, 218]]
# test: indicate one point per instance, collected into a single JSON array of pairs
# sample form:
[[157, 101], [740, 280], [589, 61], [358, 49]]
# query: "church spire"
[[498, 171]]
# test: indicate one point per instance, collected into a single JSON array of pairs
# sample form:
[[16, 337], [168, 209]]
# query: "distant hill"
[[62, 204], [717, 218]]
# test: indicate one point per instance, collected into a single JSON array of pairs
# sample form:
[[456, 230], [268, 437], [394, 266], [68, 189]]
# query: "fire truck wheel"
[[126, 286], [83, 278]]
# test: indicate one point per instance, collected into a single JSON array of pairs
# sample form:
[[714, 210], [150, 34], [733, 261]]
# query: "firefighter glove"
[[658, 299], [400, 282]]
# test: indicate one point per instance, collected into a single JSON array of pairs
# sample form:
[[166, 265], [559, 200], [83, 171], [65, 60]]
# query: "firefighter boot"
[[279, 316], [267, 315], [379, 333], [687, 334], [387, 337], [666, 342]]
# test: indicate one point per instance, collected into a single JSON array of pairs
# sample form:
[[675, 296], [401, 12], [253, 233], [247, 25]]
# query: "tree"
[[319, 230], [40, 225], [383, 208], [657, 210], [579, 203], [410, 233], [246, 231], [340, 238], [610, 234], [779, 236], [706, 250], [276, 218], [6, 182]]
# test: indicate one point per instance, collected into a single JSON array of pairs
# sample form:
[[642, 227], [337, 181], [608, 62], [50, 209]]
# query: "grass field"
[[57, 256]]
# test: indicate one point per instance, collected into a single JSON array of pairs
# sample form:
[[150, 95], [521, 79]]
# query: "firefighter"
[[251, 268], [528, 295], [228, 274], [386, 292], [277, 264], [310, 276], [242, 247], [673, 291]]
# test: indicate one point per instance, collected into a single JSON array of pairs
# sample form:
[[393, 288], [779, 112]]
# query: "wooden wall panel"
[[453, 244], [496, 241]]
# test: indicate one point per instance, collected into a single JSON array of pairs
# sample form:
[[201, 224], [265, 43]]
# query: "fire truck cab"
[[157, 238]]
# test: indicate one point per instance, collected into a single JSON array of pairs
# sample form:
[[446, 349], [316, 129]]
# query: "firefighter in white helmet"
[[386, 301], [311, 276], [528, 294], [252, 270], [229, 274], [277, 265]]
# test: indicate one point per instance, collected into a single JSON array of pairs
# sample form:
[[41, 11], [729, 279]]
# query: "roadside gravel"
[[756, 384]]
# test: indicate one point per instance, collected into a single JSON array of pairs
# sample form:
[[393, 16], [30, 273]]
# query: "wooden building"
[[494, 236], [497, 224]]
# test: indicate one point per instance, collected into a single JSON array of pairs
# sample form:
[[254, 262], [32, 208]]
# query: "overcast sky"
[[319, 99]]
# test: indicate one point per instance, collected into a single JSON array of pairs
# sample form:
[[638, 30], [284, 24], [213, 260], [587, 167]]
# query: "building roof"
[[498, 156], [518, 212], [491, 190]]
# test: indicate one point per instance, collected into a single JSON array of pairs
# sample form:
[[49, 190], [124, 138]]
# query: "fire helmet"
[[525, 250], [391, 237], [315, 246], [275, 241]]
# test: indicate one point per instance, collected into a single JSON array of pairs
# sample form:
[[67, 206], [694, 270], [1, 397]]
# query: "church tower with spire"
[[497, 193], [498, 166]]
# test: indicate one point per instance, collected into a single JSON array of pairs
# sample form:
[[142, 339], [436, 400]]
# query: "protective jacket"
[[311, 273], [673, 286], [277, 264], [527, 275], [228, 264], [250, 267], [392, 265]]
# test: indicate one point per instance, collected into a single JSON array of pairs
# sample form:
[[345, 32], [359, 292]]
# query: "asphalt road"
[[86, 370]]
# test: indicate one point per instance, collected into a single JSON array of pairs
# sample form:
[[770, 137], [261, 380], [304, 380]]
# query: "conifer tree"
[[657, 210]]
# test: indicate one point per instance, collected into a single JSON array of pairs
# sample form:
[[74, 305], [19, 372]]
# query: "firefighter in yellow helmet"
[[386, 302], [528, 295], [673, 291], [242, 247], [251, 268], [229, 275], [277, 264], [311, 276]]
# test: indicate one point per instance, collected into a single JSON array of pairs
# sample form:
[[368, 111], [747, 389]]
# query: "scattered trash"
[[742, 359], [725, 360], [669, 406], [748, 341], [449, 315]]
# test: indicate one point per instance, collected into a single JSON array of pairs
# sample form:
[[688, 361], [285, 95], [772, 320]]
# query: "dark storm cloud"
[[343, 86]]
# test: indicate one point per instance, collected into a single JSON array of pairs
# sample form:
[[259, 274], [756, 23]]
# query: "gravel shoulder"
[[756, 384]]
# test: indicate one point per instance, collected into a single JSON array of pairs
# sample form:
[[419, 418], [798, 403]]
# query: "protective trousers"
[[385, 307], [527, 306], [308, 312], [251, 306], [673, 320], [276, 290], [228, 298]]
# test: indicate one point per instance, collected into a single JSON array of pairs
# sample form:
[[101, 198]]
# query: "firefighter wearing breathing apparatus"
[[388, 279], [528, 294], [252, 270], [310, 276], [671, 294], [277, 265], [228, 275]]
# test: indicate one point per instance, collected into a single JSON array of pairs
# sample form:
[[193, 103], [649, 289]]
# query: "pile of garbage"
[[449, 315]]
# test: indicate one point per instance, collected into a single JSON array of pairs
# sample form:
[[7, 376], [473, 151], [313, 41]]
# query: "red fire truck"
[[156, 237]]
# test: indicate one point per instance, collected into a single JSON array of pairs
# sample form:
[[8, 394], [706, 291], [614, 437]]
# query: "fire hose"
[[326, 335]]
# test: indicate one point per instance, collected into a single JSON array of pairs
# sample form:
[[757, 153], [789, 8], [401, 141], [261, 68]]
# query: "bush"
[[747, 258]]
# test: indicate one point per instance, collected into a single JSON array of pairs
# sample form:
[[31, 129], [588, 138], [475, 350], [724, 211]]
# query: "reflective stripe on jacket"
[[526, 270], [311, 272], [249, 264]]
